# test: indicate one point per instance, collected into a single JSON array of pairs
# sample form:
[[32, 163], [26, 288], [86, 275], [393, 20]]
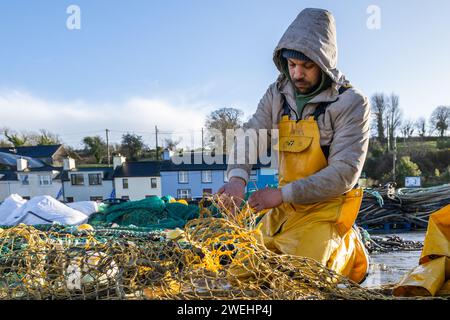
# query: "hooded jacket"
[[344, 126]]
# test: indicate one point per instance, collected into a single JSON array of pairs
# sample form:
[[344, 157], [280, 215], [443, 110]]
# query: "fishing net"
[[211, 258], [151, 213], [405, 205]]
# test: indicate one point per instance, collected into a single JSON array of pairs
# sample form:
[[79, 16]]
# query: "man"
[[323, 127]]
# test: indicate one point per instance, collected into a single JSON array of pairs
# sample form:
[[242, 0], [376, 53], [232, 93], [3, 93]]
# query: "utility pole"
[[394, 158], [203, 145], [156, 138], [388, 135], [107, 146]]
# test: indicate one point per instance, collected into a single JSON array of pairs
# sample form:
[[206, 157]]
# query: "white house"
[[136, 180], [30, 182], [86, 183]]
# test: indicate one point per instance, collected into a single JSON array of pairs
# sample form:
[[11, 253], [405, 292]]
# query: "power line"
[[156, 139], [112, 135], [79, 133], [159, 132]]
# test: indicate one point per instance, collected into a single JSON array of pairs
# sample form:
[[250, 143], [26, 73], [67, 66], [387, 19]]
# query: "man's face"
[[306, 75]]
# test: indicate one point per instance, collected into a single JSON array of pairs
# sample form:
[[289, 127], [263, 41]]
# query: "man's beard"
[[305, 87]]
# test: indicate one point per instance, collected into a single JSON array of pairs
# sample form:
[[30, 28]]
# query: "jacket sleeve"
[[348, 152], [261, 119]]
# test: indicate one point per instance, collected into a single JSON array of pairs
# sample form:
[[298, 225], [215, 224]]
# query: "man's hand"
[[265, 199], [234, 188]]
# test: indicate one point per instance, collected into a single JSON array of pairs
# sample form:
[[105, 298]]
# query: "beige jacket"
[[344, 126]]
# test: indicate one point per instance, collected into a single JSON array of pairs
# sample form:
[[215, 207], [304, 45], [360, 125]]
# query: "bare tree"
[[407, 129], [16, 139], [440, 119], [421, 126], [394, 115], [171, 144], [44, 138], [378, 110], [223, 119]]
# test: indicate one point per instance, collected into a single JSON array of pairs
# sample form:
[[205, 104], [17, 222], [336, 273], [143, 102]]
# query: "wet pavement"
[[390, 267]]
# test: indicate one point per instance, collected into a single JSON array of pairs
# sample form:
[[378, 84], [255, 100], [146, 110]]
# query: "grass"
[[414, 145]]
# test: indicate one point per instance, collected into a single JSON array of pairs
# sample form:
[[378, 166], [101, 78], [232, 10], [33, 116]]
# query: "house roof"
[[33, 151], [9, 160], [138, 169], [44, 168], [197, 163], [169, 165], [108, 172], [8, 175]]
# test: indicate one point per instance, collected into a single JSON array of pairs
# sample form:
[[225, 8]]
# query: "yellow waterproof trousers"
[[432, 276], [322, 231]]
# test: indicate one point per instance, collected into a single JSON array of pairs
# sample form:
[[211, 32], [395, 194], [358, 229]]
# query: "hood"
[[313, 33]]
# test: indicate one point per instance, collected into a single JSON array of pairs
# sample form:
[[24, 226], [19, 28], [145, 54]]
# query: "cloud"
[[23, 111]]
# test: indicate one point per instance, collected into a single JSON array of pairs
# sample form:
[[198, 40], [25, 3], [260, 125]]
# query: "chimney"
[[118, 160], [22, 164], [167, 154], [69, 164]]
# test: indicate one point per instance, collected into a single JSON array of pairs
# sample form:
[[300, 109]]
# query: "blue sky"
[[136, 64]]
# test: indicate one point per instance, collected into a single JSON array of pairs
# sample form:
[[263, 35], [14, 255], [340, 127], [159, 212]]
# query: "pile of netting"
[[211, 258], [148, 214], [405, 205], [388, 243]]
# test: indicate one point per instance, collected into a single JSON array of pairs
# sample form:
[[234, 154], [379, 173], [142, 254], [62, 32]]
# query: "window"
[[207, 176], [225, 177], [207, 191], [125, 183], [183, 177], [69, 199], [45, 180], [267, 171], [150, 196], [26, 198], [95, 179], [24, 179], [153, 183], [253, 175], [96, 198], [126, 197], [77, 179], [184, 193]]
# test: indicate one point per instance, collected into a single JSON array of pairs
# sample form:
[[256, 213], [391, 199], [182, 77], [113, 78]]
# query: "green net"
[[151, 214]]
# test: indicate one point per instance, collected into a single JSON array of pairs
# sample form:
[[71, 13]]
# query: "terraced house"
[[31, 171], [86, 183], [194, 178], [136, 180], [30, 177]]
